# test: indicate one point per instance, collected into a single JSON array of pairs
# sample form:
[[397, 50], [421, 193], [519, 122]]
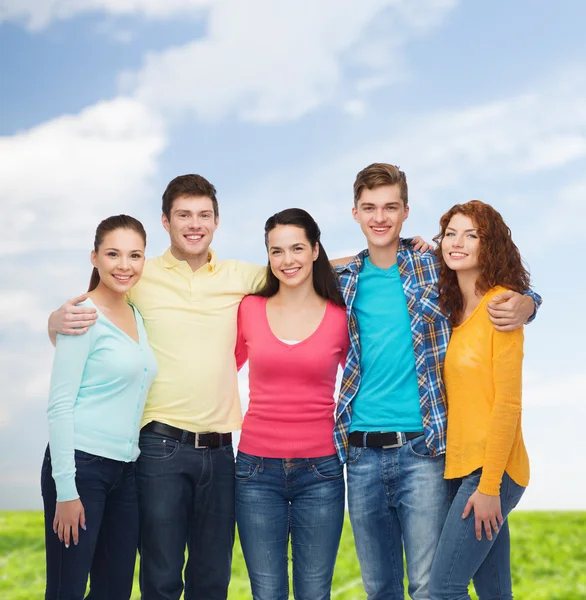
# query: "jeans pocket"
[[513, 492], [328, 469], [354, 454], [228, 452], [419, 448], [83, 458], [157, 447], [247, 467]]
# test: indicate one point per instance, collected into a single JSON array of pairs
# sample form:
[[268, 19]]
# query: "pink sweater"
[[291, 401]]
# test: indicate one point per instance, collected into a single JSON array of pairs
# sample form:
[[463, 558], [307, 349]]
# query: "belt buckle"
[[196, 444], [397, 444]]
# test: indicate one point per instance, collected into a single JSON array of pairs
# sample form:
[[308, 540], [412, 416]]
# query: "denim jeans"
[[461, 557], [298, 498], [397, 497], [186, 498], [107, 549]]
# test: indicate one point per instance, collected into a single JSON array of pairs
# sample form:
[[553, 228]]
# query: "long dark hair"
[[107, 226], [499, 258], [324, 278]]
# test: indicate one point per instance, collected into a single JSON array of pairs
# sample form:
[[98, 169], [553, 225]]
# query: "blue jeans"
[[397, 497], [301, 498], [107, 549], [186, 498], [461, 557]]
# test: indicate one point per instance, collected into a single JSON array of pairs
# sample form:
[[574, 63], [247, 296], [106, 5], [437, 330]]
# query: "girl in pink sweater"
[[289, 481]]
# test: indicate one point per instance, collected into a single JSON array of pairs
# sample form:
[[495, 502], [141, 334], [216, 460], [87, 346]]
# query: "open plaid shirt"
[[430, 330]]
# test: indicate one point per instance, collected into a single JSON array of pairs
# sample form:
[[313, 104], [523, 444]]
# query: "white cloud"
[[266, 61], [64, 176], [39, 14]]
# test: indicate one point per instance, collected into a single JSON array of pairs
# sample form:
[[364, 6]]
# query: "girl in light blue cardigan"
[[99, 385]]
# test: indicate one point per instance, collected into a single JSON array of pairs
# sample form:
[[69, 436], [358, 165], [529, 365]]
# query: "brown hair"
[[324, 278], [499, 259], [107, 226], [379, 174], [188, 185]]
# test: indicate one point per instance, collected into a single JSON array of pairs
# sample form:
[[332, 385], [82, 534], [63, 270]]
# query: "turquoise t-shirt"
[[388, 397]]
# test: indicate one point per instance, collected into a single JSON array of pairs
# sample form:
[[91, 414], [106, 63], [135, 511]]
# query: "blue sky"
[[279, 104]]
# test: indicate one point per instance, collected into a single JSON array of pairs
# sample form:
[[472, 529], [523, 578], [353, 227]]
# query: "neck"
[[195, 262], [383, 258], [105, 297], [302, 295], [467, 285]]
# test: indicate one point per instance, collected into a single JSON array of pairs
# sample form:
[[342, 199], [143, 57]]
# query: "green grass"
[[548, 558]]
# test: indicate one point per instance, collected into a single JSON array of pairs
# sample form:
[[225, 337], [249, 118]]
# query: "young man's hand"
[[69, 517], [70, 319], [487, 513], [510, 310], [420, 244]]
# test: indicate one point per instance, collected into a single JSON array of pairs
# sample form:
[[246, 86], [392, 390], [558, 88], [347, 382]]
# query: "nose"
[[379, 215], [123, 263], [288, 258], [457, 241]]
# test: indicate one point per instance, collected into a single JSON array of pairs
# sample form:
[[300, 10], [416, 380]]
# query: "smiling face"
[[291, 255], [191, 226], [460, 244], [381, 213], [119, 259]]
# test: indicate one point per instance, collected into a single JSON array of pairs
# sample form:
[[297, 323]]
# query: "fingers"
[[75, 533], [55, 523], [506, 327], [487, 529], [467, 509], [67, 535], [504, 296], [478, 527], [77, 300], [60, 531], [82, 518], [494, 524]]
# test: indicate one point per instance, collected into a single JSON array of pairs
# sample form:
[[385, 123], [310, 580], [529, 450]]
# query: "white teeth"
[[121, 277], [194, 237], [380, 229], [289, 271], [458, 254]]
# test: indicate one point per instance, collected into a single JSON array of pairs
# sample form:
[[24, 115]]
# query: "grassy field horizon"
[[548, 559]]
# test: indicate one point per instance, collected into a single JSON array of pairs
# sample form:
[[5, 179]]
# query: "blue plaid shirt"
[[430, 330]]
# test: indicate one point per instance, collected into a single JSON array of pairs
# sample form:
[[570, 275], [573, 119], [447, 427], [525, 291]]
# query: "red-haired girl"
[[486, 457]]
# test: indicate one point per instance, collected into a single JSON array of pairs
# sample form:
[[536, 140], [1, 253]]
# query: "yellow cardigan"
[[482, 374]]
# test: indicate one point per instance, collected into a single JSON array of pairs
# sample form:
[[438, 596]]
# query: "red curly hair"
[[499, 259]]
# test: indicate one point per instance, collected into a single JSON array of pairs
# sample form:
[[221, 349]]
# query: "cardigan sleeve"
[[71, 355], [506, 410]]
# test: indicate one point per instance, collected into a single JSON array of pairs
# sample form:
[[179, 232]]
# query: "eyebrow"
[[291, 246], [116, 250], [199, 212], [465, 230], [386, 204]]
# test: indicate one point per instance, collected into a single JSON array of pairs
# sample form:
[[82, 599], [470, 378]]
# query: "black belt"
[[199, 440], [381, 439]]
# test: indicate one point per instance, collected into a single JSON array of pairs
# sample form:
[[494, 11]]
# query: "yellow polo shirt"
[[190, 319]]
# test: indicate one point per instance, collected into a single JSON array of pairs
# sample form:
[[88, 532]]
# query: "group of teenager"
[[144, 400]]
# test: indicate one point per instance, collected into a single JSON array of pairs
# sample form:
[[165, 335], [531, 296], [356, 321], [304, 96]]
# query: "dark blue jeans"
[[186, 498], [298, 498], [460, 557], [107, 549]]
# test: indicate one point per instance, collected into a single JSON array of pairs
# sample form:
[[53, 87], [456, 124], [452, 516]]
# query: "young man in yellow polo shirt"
[[189, 302]]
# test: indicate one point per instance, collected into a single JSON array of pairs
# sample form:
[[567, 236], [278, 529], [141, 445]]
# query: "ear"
[[406, 214], [165, 222], [355, 213], [315, 252], [94, 258]]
